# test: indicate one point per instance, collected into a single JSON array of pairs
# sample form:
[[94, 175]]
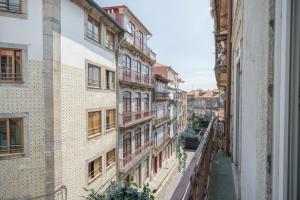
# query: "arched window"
[[126, 102], [138, 139], [146, 74], [138, 105], [126, 70], [126, 107], [138, 70], [146, 103]]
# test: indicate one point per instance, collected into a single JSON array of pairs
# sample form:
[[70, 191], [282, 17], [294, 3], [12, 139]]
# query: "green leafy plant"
[[122, 191], [180, 153]]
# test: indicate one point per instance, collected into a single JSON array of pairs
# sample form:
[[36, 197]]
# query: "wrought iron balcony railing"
[[131, 159], [195, 181], [133, 77], [161, 95], [131, 118]]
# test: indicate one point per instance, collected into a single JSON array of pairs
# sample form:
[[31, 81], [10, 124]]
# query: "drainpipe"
[[117, 54], [228, 87]]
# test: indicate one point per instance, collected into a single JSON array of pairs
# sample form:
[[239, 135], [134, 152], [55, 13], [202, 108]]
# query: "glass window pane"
[[3, 137], [16, 134]]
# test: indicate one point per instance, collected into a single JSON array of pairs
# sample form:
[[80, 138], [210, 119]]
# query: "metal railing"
[[135, 156], [10, 77], [143, 47], [195, 181], [10, 7], [131, 118], [131, 76], [161, 95], [161, 119], [11, 149]]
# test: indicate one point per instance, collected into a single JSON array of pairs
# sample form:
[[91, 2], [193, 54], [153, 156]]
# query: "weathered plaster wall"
[[256, 97]]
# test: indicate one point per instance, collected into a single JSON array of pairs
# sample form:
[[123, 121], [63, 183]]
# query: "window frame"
[[106, 115], [92, 65], [14, 63], [109, 44], [95, 176], [110, 164], [8, 135], [92, 135], [113, 78], [94, 23]]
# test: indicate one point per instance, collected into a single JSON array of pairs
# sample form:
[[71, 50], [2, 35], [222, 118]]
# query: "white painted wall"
[[25, 31]]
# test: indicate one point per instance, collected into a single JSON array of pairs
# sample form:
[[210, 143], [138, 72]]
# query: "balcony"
[[129, 161], [133, 118], [159, 148], [131, 77], [161, 95], [160, 121], [142, 49], [209, 174]]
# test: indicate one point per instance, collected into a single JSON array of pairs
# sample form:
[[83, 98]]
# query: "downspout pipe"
[[228, 85], [117, 55]]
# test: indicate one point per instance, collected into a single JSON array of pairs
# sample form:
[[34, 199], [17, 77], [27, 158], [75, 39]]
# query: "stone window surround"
[[22, 15], [103, 69], [24, 67], [104, 167], [103, 30], [103, 121], [26, 135]]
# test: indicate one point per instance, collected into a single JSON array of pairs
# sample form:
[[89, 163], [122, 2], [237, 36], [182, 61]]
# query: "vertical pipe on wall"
[[228, 88]]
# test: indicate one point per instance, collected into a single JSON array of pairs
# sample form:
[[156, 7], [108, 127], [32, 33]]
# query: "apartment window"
[[13, 6], [138, 106], [94, 124], [110, 119], [131, 28], [146, 73], [11, 65], [146, 102], [126, 102], [93, 30], [110, 157], [126, 70], [146, 134], [110, 40], [95, 168], [126, 147], [110, 80], [140, 40], [137, 70], [94, 76], [11, 136], [138, 134]]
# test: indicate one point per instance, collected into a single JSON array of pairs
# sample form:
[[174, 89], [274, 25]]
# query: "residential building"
[[135, 84], [257, 65], [171, 107], [161, 132], [205, 103], [58, 98]]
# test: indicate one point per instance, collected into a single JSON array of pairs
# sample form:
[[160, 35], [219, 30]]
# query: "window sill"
[[94, 178], [110, 166], [20, 15], [94, 135], [12, 155], [110, 130]]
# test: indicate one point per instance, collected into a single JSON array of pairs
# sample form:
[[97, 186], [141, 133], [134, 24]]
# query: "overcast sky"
[[182, 36]]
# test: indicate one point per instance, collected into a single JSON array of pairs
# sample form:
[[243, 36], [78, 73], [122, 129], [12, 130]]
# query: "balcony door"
[[138, 140], [138, 105], [127, 148], [126, 70], [126, 107]]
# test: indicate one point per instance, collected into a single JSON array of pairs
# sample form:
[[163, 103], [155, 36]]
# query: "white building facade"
[[58, 99]]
